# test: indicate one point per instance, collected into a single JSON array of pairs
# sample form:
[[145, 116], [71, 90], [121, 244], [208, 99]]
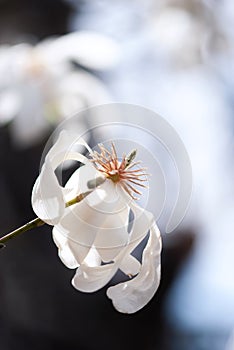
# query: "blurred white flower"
[[96, 235], [40, 85], [177, 36]]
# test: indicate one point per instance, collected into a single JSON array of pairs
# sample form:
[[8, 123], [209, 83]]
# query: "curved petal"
[[80, 224], [64, 250], [111, 238], [95, 220], [90, 49], [79, 236], [142, 222], [93, 258], [130, 265], [66, 247], [78, 182], [63, 149], [47, 196], [112, 235], [63, 142], [131, 296], [89, 279]]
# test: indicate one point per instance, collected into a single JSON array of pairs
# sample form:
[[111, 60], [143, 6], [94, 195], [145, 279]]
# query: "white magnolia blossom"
[[39, 85], [95, 236]]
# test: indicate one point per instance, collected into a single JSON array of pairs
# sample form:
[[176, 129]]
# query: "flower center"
[[120, 172], [114, 176]]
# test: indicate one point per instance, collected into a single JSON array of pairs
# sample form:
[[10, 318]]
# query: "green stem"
[[38, 222], [77, 199], [29, 226]]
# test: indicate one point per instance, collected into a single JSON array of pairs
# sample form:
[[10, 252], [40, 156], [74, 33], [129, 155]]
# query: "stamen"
[[136, 183], [133, 178], [124, 186], [123, 163], [130, 158], [133, 188], [134, 163], [119, 171]]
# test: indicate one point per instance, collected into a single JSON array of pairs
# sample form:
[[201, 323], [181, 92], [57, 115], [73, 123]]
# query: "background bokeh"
[[172, 56]]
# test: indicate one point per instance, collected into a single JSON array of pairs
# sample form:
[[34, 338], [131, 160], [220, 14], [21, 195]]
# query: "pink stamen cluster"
[[120, 172]]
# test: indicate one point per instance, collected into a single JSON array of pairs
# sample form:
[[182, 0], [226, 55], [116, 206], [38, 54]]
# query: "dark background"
[[39, 307]]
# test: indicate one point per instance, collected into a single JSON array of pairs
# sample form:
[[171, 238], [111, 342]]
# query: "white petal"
[[106, 199], [64, 250], [79, 179], [94, 219], [93, 258], [63, 142], [80, 224], [47, 196], [94, 210], [112, 235], [79, 237], [111, 238], [130, 265], [89, 279], [129, 297], [90, 49], [142, 222], [78, 90], [30, 124], [63, 149], [10, 103]]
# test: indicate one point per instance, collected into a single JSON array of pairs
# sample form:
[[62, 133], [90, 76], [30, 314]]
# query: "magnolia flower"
[[95, 236], [40, 86]]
